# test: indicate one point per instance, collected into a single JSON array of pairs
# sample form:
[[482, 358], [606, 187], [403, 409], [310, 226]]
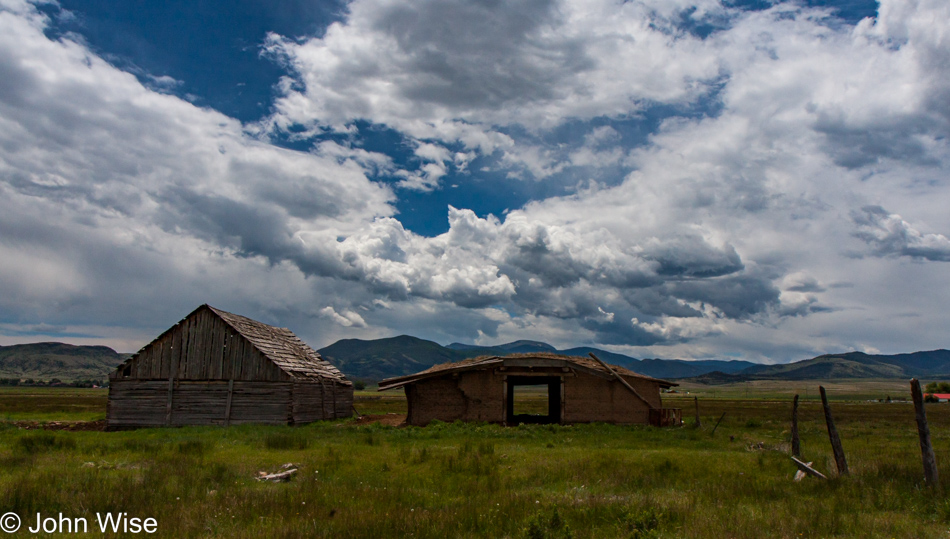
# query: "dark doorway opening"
[[522, 405]]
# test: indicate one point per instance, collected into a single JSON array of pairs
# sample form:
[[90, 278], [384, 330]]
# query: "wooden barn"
[[218, 368], [577, 390]]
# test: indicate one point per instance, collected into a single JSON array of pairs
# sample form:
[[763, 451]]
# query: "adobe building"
[[218, 368], [578, 390]]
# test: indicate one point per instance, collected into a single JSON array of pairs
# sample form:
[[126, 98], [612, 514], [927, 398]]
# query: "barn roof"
[[279, 345], [537, 359]]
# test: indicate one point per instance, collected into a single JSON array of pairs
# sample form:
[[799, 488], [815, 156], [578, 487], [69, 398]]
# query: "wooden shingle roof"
[[281, 346], [278, 345]]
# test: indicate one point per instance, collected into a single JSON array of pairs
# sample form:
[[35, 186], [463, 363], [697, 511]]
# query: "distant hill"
[[384, 358], [681, 368], [935, 364], [398, 356], [66, 362], [516, 347]]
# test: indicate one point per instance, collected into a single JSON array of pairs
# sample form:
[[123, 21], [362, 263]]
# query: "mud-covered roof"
[[521, 360]]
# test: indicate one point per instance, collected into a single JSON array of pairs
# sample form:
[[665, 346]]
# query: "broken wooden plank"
[[622, 381], [279, 476], [804, 467]]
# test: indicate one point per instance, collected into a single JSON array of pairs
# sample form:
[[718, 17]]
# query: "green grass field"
[[478, 480]]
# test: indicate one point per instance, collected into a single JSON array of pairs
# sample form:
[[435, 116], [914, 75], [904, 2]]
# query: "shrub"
[[541, 526], [192, 447], [283, 440], [641, 524], [43, 441]]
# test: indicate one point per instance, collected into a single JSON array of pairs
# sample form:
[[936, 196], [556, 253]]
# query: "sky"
[[692, 179]]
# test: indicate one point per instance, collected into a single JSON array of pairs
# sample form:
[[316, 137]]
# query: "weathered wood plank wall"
[[204, 372], [142, 403], [203, 348]]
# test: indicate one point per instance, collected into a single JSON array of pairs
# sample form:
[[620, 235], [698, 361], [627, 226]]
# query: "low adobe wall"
[[479, 395], [469, 396], [589, 399]]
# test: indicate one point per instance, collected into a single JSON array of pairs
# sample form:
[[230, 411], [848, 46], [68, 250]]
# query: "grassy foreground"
[[476, 480]]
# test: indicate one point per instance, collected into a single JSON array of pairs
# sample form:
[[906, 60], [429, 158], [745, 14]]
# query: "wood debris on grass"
[[391, 419], [61, 425], [804, 468], [277, 477]]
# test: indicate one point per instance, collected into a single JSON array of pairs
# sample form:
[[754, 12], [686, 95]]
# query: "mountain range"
[[374, 360], [383, 358], [54, 360], [396, 356]]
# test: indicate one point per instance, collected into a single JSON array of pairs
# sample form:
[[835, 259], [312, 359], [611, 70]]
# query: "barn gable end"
[[218, 368]]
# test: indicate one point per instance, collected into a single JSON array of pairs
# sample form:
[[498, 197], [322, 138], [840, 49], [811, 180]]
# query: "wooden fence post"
[[717, 424], [840, 461], [796, 443], [698, 422], [926, 450]]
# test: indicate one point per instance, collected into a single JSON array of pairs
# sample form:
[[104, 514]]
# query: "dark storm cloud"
[[856, 146], [739, 297], [691, 256], [251, 229], [621, 332]]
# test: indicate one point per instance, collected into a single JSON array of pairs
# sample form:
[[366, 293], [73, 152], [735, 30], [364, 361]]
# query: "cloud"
[[107, 184], [459, 71], [533, 63], [346, 319], [781, 134], [536, 268], [888, 235]]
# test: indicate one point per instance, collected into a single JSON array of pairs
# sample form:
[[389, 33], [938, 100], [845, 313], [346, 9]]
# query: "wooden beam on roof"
[[399, 381], [531, 362], [622, 381]]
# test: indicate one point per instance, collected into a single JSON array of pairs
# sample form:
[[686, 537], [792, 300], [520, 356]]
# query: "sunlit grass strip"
[[470, 480]]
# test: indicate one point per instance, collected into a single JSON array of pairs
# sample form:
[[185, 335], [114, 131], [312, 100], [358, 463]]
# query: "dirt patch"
[[390, 420], [61, 425]]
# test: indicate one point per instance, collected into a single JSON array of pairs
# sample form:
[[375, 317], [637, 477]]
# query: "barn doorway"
[[533, 399]]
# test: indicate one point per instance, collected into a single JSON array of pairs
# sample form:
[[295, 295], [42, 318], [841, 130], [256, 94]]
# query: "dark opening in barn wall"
[[550, 387]]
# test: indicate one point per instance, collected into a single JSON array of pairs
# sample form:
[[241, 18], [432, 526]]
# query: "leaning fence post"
[[926, 450], [796, 444], [698, 423], [840, 461], [717, 424]]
